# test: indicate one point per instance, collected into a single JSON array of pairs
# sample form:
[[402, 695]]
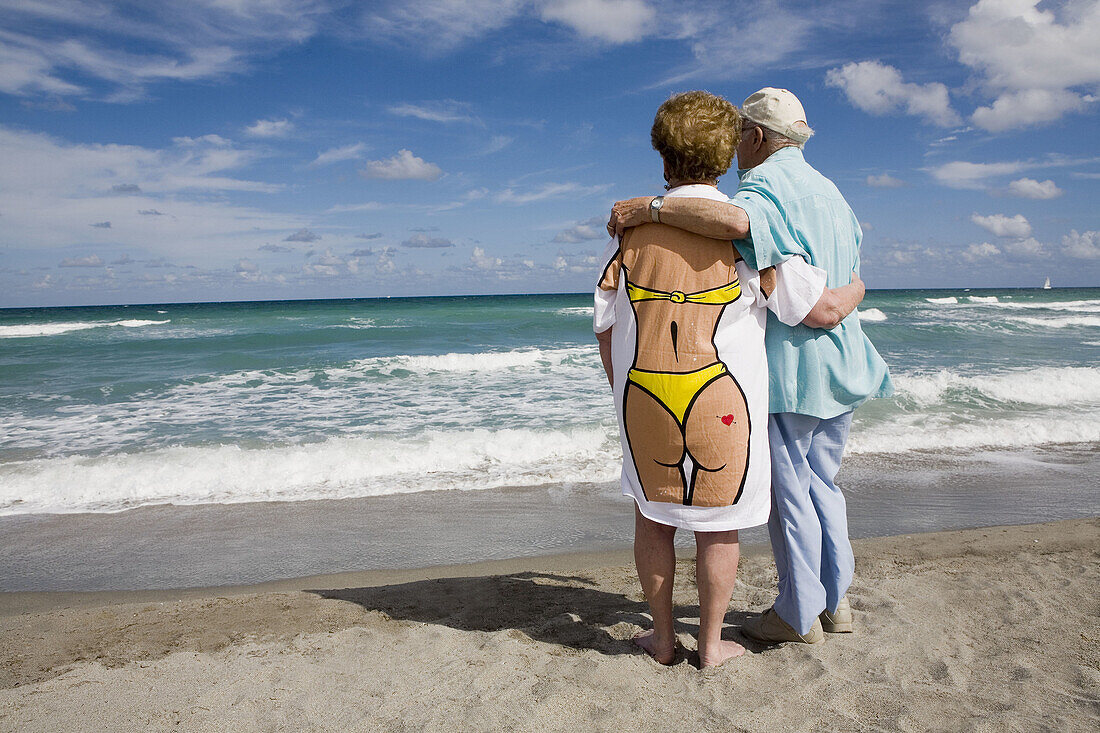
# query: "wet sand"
[[984, 629]]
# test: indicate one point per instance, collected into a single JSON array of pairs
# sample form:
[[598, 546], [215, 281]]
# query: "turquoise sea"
[[106, 409]]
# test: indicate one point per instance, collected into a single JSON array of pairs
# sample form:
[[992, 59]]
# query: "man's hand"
[[629, 213], [835, 304]]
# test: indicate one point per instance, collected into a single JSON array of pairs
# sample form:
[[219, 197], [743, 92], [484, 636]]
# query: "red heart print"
[[727, 420]]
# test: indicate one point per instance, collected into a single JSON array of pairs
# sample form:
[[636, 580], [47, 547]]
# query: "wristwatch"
[[655, 208]]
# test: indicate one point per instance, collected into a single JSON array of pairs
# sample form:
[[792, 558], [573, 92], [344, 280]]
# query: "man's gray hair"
[[774, 140]]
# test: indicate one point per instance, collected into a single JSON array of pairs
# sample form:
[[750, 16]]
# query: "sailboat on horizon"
[[1046, 284]]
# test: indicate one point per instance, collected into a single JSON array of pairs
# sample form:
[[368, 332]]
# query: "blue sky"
[[256, 149]]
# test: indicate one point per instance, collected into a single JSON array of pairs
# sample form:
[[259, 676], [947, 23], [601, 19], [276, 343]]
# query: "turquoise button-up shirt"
[[795, 211]]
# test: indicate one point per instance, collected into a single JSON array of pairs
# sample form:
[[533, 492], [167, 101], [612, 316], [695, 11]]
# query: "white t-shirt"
[[739, 340]]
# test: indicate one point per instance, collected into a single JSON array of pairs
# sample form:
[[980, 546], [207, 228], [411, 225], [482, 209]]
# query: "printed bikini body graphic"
[[686, 417]]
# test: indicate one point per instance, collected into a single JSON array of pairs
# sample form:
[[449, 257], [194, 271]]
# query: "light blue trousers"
[[809, 521]]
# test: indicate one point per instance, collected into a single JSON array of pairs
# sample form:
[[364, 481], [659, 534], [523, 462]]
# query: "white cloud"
[[328, 259], [423, 241], [474, 194], [89, 261], [885, 181], [718, 41], [577, 263], [584, 231], [32, 64], [335, 155], [1029, 188], [437, 26], [484, 262], [1004, 226], [270, 128], [26, 70], [1026, 247], [41, 163], [211, 39], [403, 166], [980, 251], [548, 190], [1027, 107], [246, 266], [365, 206], [385, 264], [320, 270], [1082, 246], [1030, 59], [877, 88], [50, 190], [496, 144], [615, 21], [445, 111], [962, 174], [303, 235]]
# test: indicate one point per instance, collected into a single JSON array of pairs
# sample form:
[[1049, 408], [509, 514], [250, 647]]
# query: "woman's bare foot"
[[714, 656], [661, 653]]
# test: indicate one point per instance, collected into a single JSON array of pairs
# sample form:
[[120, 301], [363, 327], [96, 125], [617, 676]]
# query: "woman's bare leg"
[[717, 554], [655, 558]]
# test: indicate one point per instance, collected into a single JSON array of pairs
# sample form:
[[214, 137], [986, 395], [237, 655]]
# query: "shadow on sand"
[[556, 609]]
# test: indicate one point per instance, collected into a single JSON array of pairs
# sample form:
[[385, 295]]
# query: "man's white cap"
[[778, 110]]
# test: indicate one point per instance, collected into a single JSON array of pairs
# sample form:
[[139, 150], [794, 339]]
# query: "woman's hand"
[[628, 213]]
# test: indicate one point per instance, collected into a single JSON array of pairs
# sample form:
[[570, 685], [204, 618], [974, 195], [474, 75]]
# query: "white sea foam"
[[54, 329], [1075, 306], [333, 469], [950, 300], [947, 410], [986, 299], [1059, 322], [383, 396], [917, 433], [872, 315], [359, 323], [583, 310], [477, 362], [1047, 386]]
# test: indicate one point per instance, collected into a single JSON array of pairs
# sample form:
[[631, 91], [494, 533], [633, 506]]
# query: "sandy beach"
[[979, 629]]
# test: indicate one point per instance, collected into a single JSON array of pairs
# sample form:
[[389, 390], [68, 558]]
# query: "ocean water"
[[110, 408]]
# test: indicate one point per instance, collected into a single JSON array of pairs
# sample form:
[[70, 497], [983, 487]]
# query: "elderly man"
[[820, 370]]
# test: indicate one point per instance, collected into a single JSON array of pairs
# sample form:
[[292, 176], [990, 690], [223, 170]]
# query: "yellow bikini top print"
[[715, 296]]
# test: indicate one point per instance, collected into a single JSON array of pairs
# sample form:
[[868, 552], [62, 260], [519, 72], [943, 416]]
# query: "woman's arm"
[[714, 219], [835, 304], [604, 340]]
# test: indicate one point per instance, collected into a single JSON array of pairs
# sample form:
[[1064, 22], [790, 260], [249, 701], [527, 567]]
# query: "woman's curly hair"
[[697, 135]]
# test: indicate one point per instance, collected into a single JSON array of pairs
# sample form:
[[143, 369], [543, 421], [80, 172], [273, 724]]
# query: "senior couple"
[[736, 367]]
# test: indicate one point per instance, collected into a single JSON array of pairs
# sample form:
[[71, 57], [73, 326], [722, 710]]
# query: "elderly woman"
[[680, 322]]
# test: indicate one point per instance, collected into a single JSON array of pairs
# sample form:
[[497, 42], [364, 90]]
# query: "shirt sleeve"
[[798, 287], [603, 310], [771, 240]]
